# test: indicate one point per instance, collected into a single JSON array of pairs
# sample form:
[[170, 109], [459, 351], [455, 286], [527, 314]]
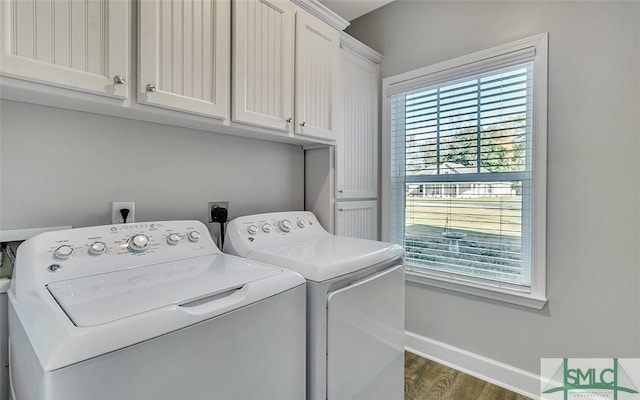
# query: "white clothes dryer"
[[355, 302], [152, 311]]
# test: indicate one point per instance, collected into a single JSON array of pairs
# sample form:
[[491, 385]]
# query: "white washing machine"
[[152, 311], [355, 302]]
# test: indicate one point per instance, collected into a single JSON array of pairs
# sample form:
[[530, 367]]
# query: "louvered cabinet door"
[[317, 53], [74, 44], [184, 55], [357, 140], [357, 219], [262, 64]]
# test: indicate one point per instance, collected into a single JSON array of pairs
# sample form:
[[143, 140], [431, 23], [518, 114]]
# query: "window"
[[466, 176]]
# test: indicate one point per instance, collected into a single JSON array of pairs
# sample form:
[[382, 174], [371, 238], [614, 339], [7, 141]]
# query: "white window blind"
[[461, 175]]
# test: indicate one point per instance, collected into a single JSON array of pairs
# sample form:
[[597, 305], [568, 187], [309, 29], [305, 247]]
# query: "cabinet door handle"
[[150, 88], [302, 124], [340, 191], [118, 79], [288, 120]]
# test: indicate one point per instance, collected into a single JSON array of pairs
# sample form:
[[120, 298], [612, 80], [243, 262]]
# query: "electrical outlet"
[[116, 216], [212, 204]]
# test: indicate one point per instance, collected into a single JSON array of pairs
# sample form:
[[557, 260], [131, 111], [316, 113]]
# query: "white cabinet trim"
[[349, 42], [319, 10]]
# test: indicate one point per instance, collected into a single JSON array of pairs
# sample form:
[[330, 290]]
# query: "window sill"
[[482, 290]]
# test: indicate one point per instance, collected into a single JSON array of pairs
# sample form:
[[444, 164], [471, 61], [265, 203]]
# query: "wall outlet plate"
[[116, 206], [212, 204]]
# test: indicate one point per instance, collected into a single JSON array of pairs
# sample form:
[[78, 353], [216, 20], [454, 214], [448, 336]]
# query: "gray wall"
[[593, 204], [60, 167]]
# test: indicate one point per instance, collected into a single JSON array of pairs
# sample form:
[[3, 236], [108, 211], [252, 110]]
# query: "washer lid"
[[329, 256], [98, 299]]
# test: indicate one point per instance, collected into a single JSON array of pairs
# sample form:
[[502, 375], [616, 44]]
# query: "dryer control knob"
[[97, 248], [301, 224], [194, 236], [285, 225], [138, 243], [266, 228], [63, 252], [173, 239], [252, 229]]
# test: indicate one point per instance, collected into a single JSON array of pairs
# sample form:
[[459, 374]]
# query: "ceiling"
[[352, 9]]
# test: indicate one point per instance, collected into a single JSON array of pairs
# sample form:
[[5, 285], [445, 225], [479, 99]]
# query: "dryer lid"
[[103, 298], [329, 256]]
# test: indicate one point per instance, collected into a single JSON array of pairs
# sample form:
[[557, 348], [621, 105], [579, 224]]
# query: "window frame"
[[536, 49]]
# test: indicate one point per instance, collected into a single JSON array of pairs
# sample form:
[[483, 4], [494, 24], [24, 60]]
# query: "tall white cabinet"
[[77, 45], [341, 182], [357, 145]]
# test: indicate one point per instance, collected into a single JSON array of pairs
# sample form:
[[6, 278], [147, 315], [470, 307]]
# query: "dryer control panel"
[[73, 253], [258, 231]]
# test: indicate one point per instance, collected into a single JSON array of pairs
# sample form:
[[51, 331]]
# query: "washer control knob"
[[252, 229], [138, 243], [63, 252], [194, 236], [301, 223], [173, 239], [285, 225], [97, 248], [54, 267], [266, 228]]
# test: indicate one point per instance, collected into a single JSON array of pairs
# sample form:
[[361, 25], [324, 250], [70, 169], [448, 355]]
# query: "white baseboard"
[[495, 372]]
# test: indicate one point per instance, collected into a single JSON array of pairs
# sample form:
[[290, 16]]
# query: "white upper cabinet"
[[317, 53], [78, 45], [274, 88], [357, 141], [263, 63], [184, 55], [258, 68]]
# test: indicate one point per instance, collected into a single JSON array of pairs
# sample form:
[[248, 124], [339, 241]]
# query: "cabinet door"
[[317, 52], [357, 219], [357, 141], [263, 63], [78, 45], [184, 55]]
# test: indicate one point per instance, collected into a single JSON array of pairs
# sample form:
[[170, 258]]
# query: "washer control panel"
[[258, 231], [72, 253], [276, 225], [139, 238]]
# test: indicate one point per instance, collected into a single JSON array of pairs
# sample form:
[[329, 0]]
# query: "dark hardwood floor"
[[428, 380]]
